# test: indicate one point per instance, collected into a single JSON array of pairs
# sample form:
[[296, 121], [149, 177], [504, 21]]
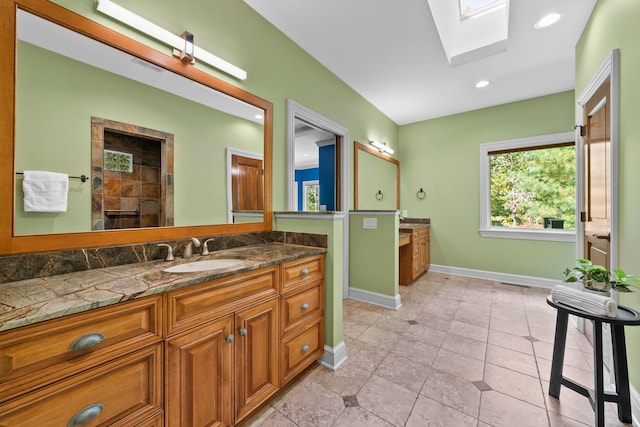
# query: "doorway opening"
[[132, 176]]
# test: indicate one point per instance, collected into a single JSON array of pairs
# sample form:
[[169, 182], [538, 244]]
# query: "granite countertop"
[[30, 301], [412, 225]]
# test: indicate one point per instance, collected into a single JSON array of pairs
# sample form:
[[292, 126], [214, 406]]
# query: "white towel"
[[585, 301], [45, 191]]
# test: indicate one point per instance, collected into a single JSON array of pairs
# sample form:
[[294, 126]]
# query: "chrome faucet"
[[205, 246], [188, 250], [169, 251]]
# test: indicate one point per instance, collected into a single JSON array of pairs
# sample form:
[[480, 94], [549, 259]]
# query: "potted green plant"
[[597, 278]]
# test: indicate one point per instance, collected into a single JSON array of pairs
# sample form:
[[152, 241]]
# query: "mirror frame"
[[11, 244], [358, 146]]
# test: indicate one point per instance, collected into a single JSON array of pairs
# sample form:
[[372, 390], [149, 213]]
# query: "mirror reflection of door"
[[246, 183], [315, 168]]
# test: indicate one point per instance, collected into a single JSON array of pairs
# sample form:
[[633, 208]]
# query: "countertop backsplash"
[[36, 265]]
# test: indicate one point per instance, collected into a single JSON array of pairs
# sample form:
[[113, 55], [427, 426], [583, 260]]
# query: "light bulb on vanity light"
[[382, 147]]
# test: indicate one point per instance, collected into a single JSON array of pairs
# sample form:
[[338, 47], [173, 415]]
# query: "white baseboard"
[[375, 298], [515, 279], [635, 405], [333, 357]]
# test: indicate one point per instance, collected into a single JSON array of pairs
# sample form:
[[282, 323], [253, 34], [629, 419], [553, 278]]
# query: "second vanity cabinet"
[[201, 355], [414, 258]]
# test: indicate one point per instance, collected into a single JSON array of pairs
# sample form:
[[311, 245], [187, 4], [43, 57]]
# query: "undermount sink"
[[210, 264]]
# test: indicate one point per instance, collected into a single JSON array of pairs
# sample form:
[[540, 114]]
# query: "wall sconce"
[[180, 44], [382, 147], [186, 54]]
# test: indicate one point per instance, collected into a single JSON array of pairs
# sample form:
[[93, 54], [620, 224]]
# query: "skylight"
[[470, 8]]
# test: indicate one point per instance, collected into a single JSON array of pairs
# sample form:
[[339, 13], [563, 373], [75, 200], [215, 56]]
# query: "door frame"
[[296, 110], [608, 70]]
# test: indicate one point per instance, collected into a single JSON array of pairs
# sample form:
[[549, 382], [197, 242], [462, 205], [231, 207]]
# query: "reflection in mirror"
[[315, 165], [376, 179], [64, 79]]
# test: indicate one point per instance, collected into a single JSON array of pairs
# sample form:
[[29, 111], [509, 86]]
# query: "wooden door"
[[246, 183], [597, 154], [257, 333], [199, 387]]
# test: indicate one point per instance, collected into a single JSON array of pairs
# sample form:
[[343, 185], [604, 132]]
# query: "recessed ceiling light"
[[482, 83], [548, 20]]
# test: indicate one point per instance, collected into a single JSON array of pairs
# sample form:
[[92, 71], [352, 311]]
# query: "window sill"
[[528, 234]]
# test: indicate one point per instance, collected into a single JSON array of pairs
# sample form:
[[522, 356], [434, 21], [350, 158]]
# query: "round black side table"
[[626, 317]]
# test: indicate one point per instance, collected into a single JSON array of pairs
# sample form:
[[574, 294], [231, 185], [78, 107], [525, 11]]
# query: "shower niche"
[[132, 176]]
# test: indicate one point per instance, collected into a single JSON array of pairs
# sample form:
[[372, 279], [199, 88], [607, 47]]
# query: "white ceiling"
[[390, 52]]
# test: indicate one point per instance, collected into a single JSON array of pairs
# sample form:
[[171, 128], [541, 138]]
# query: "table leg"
[[621, 372], [598, 380], [558, 353]]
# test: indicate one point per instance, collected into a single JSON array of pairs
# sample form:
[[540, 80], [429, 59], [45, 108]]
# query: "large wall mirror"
[[376, 179], [168, 150]]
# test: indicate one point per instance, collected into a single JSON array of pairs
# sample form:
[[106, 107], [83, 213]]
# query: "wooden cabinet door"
[[257, 343], [199, 387]]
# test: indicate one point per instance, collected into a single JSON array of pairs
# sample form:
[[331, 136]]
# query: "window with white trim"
[[528, 188]]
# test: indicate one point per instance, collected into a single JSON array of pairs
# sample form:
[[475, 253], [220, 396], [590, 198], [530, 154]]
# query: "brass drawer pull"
[[86, 341], [304, 348], [243, 332], [304, 306], [85, 415], [230, 339], [304, 271]]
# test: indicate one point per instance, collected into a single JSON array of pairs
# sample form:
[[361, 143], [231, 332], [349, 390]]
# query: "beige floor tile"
[[389, 401], [498, 409], [366, 355], [310, 404], [442, 308], [512, 342], [465, 346], [428, 412], [459, 365], [353, 329], [345, 381], [510, 326], [572, 357], [392, 324], [404, 372], [362, 315], [380, 338], [416, 351], [358, 417], [425, 334], [474, 332], [434, 321], [472, 317], [268, 417], [558, 420], [452, 391], [513, 360], [514, 384]]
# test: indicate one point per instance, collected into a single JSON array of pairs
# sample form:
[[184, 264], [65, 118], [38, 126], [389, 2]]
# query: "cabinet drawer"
[[301, 350], [302, 306], [197, 304], [37, 355], [125, 391], [302, 271]]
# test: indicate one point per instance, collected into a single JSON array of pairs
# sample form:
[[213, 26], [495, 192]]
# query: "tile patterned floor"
[[459, 352]]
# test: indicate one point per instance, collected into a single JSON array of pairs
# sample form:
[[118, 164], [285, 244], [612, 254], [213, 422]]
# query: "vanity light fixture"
[[483, 83], [547, 20], [129, 18], [382, 147], [186, 54], [259, 116]]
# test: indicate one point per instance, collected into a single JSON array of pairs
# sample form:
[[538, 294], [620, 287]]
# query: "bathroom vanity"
[[147, 347], [414, 254]]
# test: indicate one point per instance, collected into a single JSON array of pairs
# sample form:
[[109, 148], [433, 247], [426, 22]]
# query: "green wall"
[[56, 97], [373, 254], [277, 69], [614, 24], [442, 157], [331, 226]]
